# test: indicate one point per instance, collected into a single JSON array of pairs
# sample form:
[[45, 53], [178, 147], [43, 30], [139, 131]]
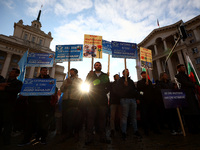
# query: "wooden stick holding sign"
[[147, 80], [177, 109], [68, 68], [179, 116], [108, 64], [125, 69]]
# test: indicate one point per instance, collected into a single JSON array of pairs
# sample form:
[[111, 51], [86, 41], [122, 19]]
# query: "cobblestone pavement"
[[164, 141]]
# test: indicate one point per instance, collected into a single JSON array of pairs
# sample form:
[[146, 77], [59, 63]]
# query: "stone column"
[[158, 67], [156, 50], [31, 73], [170, 67], [180, 58], [6, 65], [52, 73], [165, 44]]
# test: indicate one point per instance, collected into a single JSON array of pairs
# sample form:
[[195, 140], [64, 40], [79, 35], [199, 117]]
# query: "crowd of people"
[[113, 106]]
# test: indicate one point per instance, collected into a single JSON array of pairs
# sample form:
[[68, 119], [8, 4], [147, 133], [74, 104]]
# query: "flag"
[[22, 66], [191, 72], [158, 23], [194, 78]]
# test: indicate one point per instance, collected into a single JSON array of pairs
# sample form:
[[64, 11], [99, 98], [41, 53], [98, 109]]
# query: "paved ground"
[[164, 141]]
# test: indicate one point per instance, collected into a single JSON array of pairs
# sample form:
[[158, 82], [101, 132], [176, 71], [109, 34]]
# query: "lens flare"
[[85, 87]]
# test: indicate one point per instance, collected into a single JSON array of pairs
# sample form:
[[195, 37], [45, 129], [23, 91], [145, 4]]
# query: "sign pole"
[[179, 116], [147, 80], [92, 56], [68, 68], [108, 64], [125, 69]]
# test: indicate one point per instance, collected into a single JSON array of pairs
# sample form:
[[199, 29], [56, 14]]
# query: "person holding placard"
[[191, 112], [38, 115], [128, 101], [97, 104], [71, 114], [148, 106]]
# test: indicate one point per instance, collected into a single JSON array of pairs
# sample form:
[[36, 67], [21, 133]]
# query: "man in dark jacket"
[[8, 92], [191, 112], [148, 105], [98, 104], [128, 100], [38, 117]]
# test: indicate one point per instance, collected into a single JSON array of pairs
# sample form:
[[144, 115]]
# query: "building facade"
[[161, 40], [25, 38]]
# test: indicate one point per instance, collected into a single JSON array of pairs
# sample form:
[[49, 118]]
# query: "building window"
[[190, 35], [33, 39], [198, 60], [2, 57], [40, 42], [192, 41], [25, 36], [195, 50]]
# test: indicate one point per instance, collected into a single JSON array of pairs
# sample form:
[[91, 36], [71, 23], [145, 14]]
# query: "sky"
[[114, 20]]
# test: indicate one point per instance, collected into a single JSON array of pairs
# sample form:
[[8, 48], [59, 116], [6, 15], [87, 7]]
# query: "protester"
[[167, 116], [191, 112], [128, 101], [115, 109], [148, 105], [71, 114], [9, 89], [97, 105], [38, 115]]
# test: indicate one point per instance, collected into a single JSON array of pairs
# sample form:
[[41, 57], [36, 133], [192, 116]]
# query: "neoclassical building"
[[161, 40], [25, 38]]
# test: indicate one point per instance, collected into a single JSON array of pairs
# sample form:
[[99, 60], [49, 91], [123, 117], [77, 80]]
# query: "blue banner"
[[173, 98], [40, 59], [106, 47], [124, 50], [69, 52], [38, 87]]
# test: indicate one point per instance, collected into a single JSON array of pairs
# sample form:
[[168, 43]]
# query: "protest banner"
[[124, 50], [69, 53], [146, 60], [38, 87], [92, 47], [40, 59], [175, 98], [107, 49]]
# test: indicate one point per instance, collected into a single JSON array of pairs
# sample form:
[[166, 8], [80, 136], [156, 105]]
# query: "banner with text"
[[40, 59], [146, 58], [92, 46], [38, 87], [69, 53], [173, 98], [124, 50], [106, 47]]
